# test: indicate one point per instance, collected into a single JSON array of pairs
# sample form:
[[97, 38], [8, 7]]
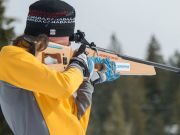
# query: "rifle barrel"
[[155, 64]]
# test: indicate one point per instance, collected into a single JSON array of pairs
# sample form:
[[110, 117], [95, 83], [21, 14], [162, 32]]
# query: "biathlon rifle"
[[57, 57]]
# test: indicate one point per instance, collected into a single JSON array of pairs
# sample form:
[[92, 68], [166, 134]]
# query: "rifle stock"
[[57, 57]]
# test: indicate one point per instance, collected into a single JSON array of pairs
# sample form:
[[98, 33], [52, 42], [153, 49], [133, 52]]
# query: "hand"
[[108, 73], [111, 74], [80, 61]]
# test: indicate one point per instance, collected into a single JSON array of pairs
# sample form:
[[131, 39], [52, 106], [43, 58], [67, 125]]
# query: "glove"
[[111, 74], [107, 73], [80, 61]]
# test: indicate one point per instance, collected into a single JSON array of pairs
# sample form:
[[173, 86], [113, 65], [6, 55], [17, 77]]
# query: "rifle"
[[58, 56]]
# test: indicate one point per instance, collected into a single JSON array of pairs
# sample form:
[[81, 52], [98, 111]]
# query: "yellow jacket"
[[53, 90]]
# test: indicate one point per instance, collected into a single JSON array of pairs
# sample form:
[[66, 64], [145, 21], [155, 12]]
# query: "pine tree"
[[135, 90], [172, 94], [155, 86], [6, 33], [115, 123], [115, 44]]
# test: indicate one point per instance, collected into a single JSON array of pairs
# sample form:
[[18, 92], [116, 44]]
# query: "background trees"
[[6, 33], [6, 30]]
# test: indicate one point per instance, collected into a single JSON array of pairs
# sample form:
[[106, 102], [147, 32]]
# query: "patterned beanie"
[[54, 18]]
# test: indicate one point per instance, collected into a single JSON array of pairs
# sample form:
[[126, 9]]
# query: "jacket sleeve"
[[28, 73], [83, 103]]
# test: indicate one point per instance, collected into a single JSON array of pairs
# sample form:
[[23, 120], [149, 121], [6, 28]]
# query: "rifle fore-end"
[[58, 56]]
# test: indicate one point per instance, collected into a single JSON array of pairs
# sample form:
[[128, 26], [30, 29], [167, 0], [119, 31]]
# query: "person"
[[37, 100]]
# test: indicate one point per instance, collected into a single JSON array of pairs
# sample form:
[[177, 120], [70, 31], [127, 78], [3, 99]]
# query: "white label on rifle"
[[123, 67]]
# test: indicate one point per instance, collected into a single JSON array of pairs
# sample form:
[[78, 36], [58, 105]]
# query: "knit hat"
[[54, 18]]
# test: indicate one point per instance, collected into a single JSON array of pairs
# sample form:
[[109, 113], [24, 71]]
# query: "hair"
[[31, 43]]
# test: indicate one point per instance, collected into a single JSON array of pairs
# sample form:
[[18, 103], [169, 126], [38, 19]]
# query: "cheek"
[[65, 43], [36, 53]]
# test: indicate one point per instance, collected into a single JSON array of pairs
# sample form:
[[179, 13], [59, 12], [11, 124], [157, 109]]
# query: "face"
[[60, 40]]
